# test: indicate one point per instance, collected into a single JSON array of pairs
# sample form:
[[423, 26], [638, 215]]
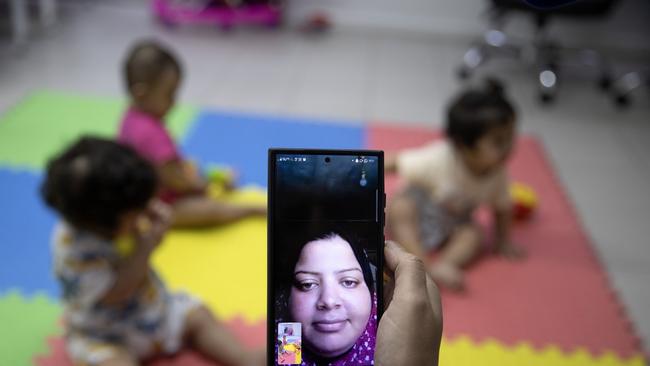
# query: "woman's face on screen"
[[329, 296]]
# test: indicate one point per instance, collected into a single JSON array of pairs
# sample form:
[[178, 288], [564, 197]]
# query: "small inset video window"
[[289, 344]]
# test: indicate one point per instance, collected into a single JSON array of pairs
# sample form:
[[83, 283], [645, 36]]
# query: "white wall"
[[628, 26]]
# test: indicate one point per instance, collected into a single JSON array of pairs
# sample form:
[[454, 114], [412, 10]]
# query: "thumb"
[[392, 254], [409, 271]]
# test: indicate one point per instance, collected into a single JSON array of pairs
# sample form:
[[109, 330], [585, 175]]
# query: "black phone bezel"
[[270, 303]]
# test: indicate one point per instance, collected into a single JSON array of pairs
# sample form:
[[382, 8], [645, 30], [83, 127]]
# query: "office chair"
[[546, 55]]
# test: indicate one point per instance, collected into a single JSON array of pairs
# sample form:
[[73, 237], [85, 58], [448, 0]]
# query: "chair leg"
[[19, 21], [47, 12], [473, 58], [627, 84], [547, 78], [600, 65]]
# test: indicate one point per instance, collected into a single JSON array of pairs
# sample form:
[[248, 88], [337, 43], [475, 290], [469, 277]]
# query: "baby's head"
[[100, 186], [152, 75], [481, 123]]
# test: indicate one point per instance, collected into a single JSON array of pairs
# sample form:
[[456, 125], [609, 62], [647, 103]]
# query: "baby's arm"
[[503, 245], [502, 208], [132, 271], [128, 277], [181, 176], [502, 224]]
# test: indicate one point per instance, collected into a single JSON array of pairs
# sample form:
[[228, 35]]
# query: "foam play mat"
[[554, 308]]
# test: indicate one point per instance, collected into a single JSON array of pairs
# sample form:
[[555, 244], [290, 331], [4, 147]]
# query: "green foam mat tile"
[[45, 122], [25, 324]]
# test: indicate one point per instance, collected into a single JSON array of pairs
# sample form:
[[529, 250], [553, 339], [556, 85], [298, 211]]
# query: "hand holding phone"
[[411, 327]]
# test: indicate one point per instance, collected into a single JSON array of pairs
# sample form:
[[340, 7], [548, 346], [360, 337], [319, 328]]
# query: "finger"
[[159, 209], [160, 214], [143, 224], [389, 288], [158, 227], [157, 232], [434, 299], [393, 253], [410, 274]]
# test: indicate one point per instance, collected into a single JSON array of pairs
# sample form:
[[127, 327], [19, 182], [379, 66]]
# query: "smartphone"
[[325, 256]]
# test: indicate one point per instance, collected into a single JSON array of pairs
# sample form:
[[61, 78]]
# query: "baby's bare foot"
[[447, 275]]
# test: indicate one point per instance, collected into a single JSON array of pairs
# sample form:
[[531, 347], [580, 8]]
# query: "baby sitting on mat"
[[153, 75], [448, 179], [117, 311]]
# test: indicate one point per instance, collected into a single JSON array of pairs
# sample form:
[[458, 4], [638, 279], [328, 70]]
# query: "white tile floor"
[[600, 153]]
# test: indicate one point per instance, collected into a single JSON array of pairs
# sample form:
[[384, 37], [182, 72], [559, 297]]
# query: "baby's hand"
[[152, 225], [510, 251], [190, 168], [192, 174]]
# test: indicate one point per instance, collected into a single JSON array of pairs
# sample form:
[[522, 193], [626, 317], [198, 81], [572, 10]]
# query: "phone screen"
[[325, 264]]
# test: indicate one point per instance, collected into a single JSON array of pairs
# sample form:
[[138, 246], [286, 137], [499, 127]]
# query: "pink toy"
[[171, 13]]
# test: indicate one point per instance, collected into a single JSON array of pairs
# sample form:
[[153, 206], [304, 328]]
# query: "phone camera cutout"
[[327, 159]]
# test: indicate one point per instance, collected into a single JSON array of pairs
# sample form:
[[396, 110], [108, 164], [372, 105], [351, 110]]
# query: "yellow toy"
[[125, 245], [524, 201], [222, 179], [219, 174]]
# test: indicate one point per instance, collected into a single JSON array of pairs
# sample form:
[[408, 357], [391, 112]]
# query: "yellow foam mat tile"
[[463, 351], [224, 266]]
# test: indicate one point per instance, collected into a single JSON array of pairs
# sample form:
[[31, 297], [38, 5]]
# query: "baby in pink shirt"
[[153, 76], [149, 135]]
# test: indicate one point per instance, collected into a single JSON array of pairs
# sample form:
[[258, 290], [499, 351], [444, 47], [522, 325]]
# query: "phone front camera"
[[327, 159]]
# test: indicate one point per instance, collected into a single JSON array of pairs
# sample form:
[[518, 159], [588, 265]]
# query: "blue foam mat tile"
[[25, 232], [242, 140]]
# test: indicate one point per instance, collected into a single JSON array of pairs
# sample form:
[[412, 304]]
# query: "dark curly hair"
[[476, 111], [95, 181]]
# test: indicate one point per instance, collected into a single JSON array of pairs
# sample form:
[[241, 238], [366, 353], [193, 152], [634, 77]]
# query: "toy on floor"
[[222, 179], [225, 14], [316, 23], [524, 201], [220, 174]]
